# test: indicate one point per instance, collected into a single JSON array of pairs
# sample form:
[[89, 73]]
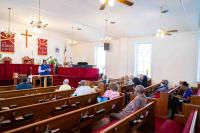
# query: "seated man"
[[65, 86], [83, 89], [24, 85], [163, 86], [138, 102]]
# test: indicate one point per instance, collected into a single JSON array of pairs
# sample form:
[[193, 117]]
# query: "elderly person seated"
[[65, 86], [112, 92], [163, 86], [138, 102], [24, 84], [83, 89]]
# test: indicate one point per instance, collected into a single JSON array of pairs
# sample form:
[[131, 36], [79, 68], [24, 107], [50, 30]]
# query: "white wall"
[[54, 40], [173, 58]]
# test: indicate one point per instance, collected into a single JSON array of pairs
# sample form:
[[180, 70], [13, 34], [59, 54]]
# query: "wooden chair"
[[7, 60], [27, 60]]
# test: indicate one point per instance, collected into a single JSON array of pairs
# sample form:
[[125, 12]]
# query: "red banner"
[[7, 42], [42, 46]]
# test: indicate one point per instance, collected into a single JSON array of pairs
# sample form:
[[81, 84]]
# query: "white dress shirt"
[[83, 90]]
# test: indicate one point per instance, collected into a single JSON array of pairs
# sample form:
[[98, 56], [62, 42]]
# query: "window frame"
[[136, 73]]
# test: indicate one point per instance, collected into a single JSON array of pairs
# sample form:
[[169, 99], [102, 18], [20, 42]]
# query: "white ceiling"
[[141, 19]]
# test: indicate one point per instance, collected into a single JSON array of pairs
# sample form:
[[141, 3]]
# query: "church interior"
[[100, 66]]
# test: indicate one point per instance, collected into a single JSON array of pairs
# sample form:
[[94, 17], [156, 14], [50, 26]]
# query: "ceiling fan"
[[160, 32], [104, 3]]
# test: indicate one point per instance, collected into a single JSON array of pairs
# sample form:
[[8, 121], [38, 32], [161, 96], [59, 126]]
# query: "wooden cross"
[[26, 35]]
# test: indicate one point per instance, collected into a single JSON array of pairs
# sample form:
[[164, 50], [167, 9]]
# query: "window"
[[100, 58], [143, 59], [198, 67]]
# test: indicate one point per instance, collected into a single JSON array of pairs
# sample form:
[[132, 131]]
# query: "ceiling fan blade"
[[167, 33], [172, 31], [126, 2], [103, 6]]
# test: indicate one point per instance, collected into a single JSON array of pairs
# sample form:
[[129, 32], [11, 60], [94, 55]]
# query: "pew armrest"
[[179, 118]]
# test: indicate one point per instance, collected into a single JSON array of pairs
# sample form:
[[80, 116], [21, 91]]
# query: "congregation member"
[[138, 102], [105, 79], [163, 86], [177, 100], [144, 80], [65, 86], [126, 80], [136, 81], [45, 69], [112, 92], [83, 89], [24, 85]]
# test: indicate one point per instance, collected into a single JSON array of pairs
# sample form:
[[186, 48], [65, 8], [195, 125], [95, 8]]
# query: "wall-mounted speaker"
[[106, 46]]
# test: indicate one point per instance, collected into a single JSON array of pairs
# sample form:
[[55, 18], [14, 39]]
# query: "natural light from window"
[[100, 58], [143, 59]]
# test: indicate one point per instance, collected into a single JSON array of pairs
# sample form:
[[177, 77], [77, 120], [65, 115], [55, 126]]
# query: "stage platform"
[[73, 74]]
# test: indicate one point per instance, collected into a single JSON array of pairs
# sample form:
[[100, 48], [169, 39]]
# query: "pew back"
[[49, 109], [127, 124], [17, 93], [27, 100], [7, 88], [74, 120]]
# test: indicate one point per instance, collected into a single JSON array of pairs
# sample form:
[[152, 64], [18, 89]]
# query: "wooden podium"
[[36, 77]]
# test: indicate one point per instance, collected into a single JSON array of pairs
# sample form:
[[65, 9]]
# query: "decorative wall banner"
[[42, 46], [7, 42]]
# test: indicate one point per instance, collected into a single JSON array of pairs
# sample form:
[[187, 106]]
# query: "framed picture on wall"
[[57, 51]]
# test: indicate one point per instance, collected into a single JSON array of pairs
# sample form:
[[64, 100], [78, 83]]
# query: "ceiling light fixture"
[[107, 38], [72, 41], [8, 29], [38, 22]]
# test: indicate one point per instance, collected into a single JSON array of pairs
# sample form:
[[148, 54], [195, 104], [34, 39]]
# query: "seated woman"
[[138, 102], [144, 80], [136, 81], [163, 86], [179, 99], [112, 92]]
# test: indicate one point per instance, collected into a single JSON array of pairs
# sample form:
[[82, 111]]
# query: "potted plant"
[[53, 61]]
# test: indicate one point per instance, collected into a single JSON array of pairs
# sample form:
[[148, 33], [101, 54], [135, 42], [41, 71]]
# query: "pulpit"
[[17, 77], [7, 60], [36, 77], [27, 60]]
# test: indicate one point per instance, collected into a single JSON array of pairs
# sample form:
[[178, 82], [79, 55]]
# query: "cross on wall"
[[26, 37]]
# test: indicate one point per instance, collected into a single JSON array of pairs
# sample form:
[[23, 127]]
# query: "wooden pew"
[[81, 119], [126, 88], [187, 122], [152, 88], [17, 93], [143, 118], [7, 88], [49, 109], [32, 99], [161, 102], [195, 99]]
